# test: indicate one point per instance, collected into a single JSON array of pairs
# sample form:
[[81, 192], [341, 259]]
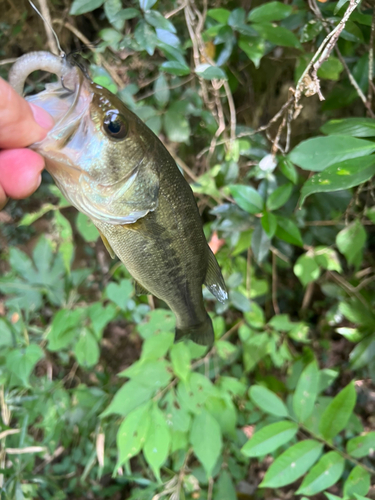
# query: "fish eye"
[[115, 125]]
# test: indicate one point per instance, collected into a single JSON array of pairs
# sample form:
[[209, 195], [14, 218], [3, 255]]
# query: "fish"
[[114, 169]]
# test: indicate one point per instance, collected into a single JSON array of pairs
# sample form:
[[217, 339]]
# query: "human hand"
[[21, 124]]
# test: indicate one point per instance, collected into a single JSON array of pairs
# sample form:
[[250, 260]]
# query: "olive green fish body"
[[114, 169], [167, 254]]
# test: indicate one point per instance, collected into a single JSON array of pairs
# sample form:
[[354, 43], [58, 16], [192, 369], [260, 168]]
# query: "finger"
[[3, 198], [21, 123], [20, 172]]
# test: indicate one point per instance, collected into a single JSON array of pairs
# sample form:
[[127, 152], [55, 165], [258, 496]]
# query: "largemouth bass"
[[114, 169]]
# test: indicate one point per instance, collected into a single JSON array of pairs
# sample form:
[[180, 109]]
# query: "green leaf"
[[86, 228], [288, 231], [180, 357], [225, 487], [132, 433], [269, 438], [279, 197], [271, 11], [361, 446], [331, 496], [220, 15], [83, 6], [175, 68], [28, 219], [327, 258], [254, 48], [112, 9], [209, 72], [278, 35], [157, 442], [311, 30], [331, 69], [268, 401], [337, 414], [120, 293], [21, 362], [269, 224], [150, 373], [161, 90], [129, 397], [156, 347], [157, 20], [358, 482], [351, 334], [356, 127], [288, 169], [247, 198], [65, 326], [292, 464], [146, 38], [260, 242], [6, 337], [147, 4], [343, 175], [318, 153], [126, 14], [176, 126], [205, 438], [306, 269], [351, 240], [324, 474], [306, 392], [255, 317], [86, 349]]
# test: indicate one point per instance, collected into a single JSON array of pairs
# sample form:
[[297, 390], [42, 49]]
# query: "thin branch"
[[175, 11], [341, 452], [371, 60], [52, 45], [87, 42], [323, 52]]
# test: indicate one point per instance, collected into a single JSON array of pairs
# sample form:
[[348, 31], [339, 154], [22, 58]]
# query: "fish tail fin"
[[202, 334]]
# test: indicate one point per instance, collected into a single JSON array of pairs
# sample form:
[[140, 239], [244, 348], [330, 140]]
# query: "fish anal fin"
[[214, 280], [140, 290], [107, 245]]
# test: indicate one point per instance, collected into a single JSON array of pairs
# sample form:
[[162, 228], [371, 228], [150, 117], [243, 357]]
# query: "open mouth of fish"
[[72, 138]]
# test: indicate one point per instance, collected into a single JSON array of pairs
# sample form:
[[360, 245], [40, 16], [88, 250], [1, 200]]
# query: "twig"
[[371, 60], [8, 61], [175, 11], [307, 297], [47, 26], [341, 452], [324, 51], [86, 41], [210, 488]]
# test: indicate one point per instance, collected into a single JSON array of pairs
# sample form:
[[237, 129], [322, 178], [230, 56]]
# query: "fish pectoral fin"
[[140, 290], [214, 280], [107, 245]]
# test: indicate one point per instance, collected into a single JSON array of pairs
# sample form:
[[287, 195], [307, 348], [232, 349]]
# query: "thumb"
[[21, 123]]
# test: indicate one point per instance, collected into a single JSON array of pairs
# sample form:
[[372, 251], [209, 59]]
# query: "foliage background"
[[96, 400]]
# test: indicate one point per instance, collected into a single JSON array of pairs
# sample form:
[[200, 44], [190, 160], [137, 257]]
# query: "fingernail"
[[42, 118]]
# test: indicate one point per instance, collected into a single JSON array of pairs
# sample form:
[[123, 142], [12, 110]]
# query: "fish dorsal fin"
[[140, 290], [214, 280], [107, 245]]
